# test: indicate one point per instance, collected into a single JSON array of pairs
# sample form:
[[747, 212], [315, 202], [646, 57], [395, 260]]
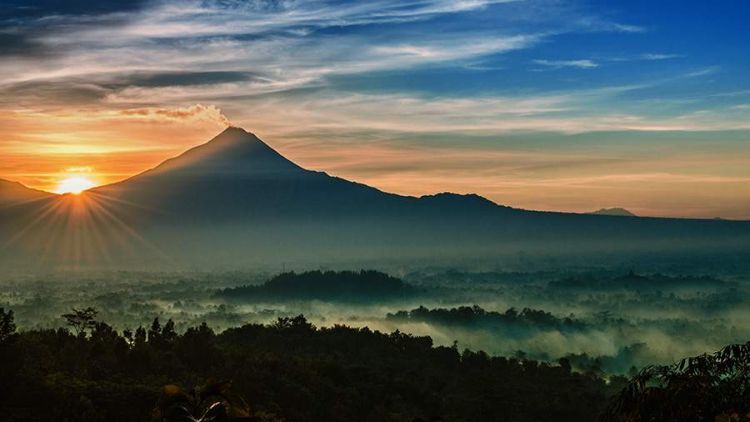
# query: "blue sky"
[[560, 105]]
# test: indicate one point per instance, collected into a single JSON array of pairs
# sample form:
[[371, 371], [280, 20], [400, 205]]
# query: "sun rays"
[[78, 231]]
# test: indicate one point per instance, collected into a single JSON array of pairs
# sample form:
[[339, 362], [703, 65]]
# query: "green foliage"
[[289, 370], [701, 388]]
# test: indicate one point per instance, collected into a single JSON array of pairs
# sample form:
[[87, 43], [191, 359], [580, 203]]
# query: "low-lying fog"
[[608, 320]]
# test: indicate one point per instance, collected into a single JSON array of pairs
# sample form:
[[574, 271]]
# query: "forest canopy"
[[289, 370]]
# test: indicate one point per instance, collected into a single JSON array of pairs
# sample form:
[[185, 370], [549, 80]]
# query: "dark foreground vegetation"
[[709, 387], [289, 370]]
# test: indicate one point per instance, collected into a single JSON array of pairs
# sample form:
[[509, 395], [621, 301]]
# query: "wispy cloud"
[[287, 42], [332, 114], [660, 56], [557, 64], [702, 72]]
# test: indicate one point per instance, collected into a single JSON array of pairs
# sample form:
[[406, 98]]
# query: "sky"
[[540, 104]]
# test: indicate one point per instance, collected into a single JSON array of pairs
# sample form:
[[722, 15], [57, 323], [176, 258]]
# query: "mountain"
[[16, 193], [237, 177], [622, 212], [236, 201]]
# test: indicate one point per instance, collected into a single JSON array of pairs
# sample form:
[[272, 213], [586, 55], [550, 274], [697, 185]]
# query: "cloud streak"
[[558, 64], [194, 112]]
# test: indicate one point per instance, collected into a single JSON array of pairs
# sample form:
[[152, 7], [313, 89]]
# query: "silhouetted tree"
[[154, 333], [128, 335], [139, 340], [7, 325], [298, 323], [81, 319], [168, 334], [701, 388]]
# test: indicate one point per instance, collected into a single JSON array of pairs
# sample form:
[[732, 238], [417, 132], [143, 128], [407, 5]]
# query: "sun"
[[74, 185]]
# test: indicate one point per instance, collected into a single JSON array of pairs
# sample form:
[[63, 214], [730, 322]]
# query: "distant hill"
[[236, 201], [328, 286], [476, 317], [16, 193], [622, 212]]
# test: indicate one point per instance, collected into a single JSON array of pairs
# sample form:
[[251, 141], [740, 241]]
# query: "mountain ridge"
[[235, 199], [225, 161]]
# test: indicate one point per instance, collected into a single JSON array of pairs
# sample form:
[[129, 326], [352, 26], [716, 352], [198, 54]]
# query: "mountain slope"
[[16, 193], [237, 177]]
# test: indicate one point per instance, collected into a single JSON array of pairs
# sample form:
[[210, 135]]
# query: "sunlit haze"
[[550, 105], [74, 185]]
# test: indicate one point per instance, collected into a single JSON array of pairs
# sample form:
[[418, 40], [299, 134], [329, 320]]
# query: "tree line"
[[289, 370], [293, 371]]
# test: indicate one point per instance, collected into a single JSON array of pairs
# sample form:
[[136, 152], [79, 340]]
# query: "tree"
[[298, 323], [7, 325], [168, 334], [81, 319], [127, 334], [154, 333], [565, 365], [700, 388], [139, 340]]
